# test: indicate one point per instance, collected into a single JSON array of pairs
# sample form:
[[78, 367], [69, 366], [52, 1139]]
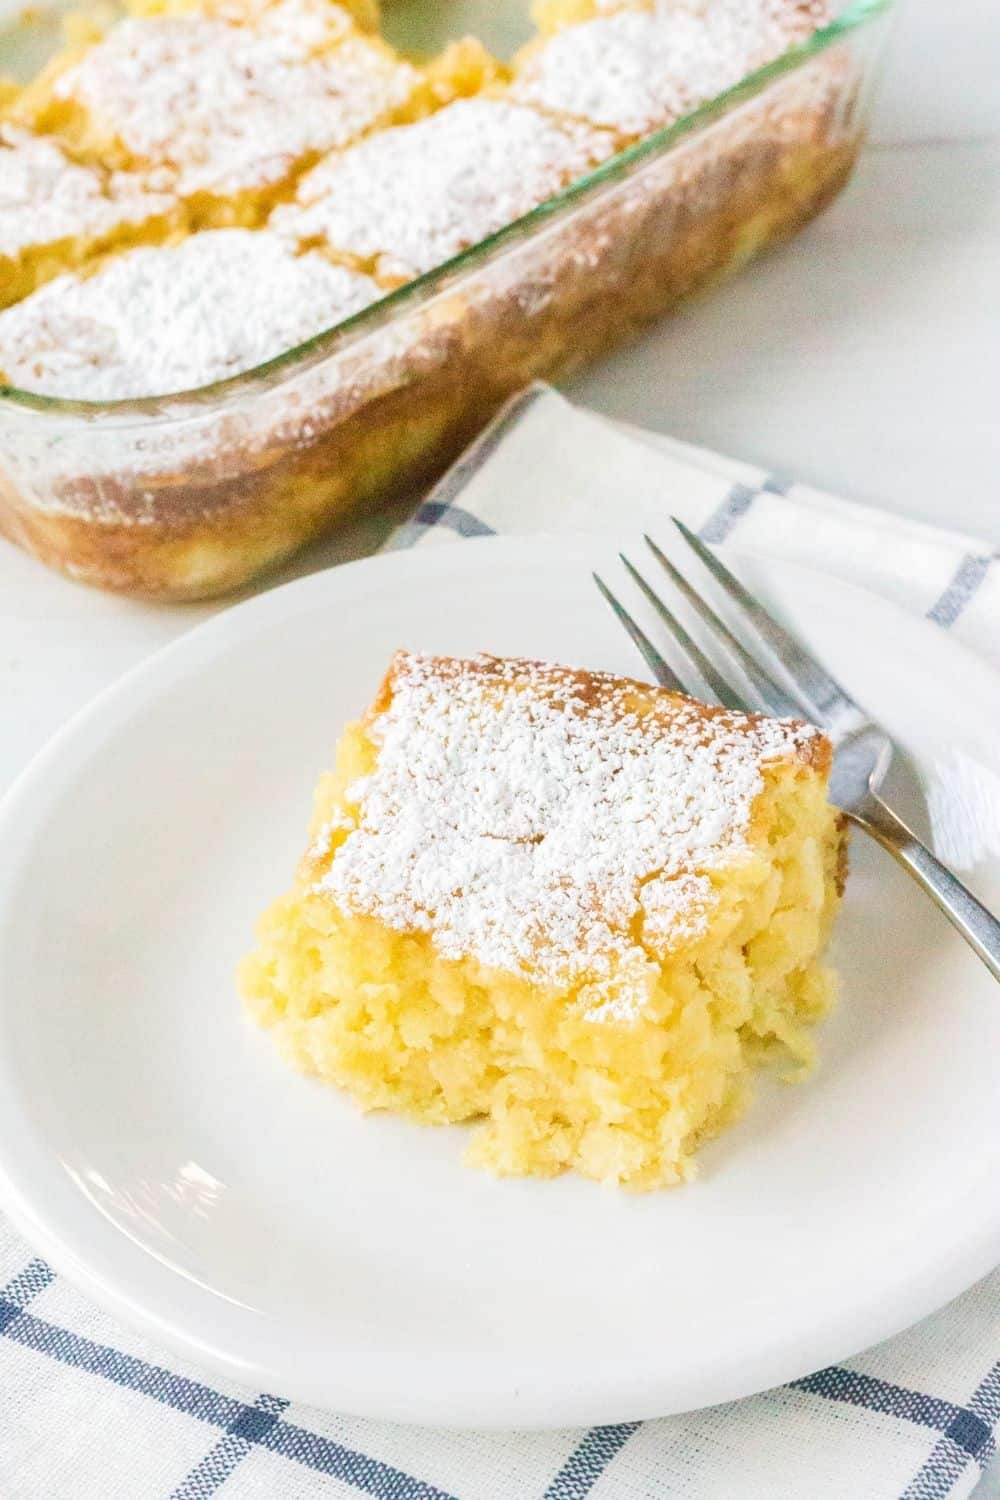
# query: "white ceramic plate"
[[156, 1149]]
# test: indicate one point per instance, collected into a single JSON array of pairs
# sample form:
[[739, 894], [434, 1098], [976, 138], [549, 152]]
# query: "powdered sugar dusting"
[[234, 107], [635, 70], [295, 29], [675, 909], [174, 317], [550, 823], [46, 198], [418, 194]]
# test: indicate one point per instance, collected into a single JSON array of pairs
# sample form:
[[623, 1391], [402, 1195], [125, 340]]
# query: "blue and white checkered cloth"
[[90, 1411]]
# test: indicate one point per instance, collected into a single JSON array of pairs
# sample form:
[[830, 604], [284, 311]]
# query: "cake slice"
[[55, 213], [409, 198], [169, 318], [232, 101], [575, 908], [635, 70]]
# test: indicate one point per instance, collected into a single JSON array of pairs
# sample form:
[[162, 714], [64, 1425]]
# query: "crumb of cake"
[[576, 908], [173, 317], [410, 198], [635, 70], [55, 212], [465, 68]]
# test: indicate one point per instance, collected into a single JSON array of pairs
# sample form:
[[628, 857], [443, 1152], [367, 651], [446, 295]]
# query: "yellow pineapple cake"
[[172, 317], [574, 908], [636, 68], [407, 199], [230, 100], [187, 116], [55, 212], [341, 170]]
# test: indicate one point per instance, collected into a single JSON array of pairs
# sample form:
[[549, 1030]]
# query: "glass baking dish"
[[189, 495]]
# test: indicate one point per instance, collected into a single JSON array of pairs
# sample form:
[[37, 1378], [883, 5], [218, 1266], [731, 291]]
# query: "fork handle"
[[978, 926]]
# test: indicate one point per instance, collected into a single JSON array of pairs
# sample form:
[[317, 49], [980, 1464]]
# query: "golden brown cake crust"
[[588, 689]]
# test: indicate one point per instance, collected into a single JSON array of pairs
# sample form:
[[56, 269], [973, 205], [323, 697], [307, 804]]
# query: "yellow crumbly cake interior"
[[574, 908]]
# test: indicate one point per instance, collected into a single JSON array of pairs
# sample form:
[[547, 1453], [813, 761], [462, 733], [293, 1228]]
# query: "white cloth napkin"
[[545, 465], [90, 1411]]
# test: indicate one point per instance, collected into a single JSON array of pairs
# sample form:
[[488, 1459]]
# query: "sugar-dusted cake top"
[[46, 198], [295, 28], [418, 194], [556, 823], [173, 317], [632, 71], [232, 107]]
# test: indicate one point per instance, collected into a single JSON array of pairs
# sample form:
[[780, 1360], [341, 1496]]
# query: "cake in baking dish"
[[294, 122], [632, 69], [174, 316], [193, 115], [407, 199], [227, 101], [574, 908], [56, 213]]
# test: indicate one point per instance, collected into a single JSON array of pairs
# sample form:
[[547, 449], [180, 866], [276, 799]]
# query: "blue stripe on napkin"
[[950, 1455], [249, 1425], [440, 509], [969, 577], [960, 1423], [728, 515], [588, 1461], [220, 1462], [966, 1434], [441, 513]]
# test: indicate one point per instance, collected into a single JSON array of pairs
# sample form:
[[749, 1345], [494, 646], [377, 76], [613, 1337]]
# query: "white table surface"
[[862, 357]]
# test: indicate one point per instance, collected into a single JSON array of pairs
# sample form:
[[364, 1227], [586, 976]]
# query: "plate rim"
[[636, 1387]]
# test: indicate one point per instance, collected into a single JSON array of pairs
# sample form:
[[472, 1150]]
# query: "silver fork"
[[862, 750]]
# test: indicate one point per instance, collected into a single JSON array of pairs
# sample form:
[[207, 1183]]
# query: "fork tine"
[[772, 696], [714, 679], [655, 662], [822, 693]]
